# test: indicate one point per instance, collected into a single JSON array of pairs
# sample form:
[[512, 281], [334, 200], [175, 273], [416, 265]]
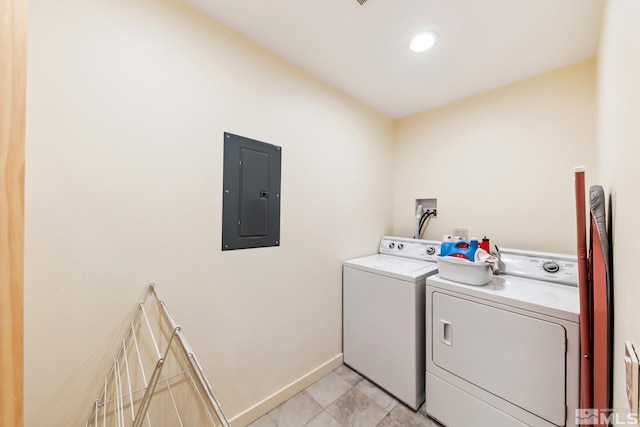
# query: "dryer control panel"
[[424, 250], [556, 268]]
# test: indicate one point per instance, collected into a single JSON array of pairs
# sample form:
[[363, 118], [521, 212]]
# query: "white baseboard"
[[259, 409]]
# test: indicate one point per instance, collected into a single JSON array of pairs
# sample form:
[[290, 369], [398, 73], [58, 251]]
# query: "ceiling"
[[363, 49]]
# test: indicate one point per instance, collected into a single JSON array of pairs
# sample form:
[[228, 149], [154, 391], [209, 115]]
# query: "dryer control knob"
[[431, 250], [392, 245], [551, 267], [400, 246]]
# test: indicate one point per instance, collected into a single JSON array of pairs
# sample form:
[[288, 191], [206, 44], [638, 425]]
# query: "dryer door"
[[518, 358]]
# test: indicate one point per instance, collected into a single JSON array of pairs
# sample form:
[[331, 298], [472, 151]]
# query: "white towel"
[[485, 257]]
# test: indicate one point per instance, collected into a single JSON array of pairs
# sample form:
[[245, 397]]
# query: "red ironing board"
[[596, 300], [602, 301]]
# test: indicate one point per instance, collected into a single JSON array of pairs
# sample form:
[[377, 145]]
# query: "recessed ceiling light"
[[423, 41]]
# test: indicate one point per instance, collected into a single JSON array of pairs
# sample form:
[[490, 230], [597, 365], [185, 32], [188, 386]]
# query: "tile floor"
[[343, 398]]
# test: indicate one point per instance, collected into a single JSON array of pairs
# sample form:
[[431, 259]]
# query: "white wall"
[[501, 163], [127, 104], [618, 154]]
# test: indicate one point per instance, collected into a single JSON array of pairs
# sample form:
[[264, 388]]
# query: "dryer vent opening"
[[362, 1]]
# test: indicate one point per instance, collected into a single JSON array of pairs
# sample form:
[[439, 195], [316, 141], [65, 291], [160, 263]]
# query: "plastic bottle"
[[485, 245], [463, 249], [447, 245]]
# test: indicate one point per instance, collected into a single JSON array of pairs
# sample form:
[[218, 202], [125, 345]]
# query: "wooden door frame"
[[13, 59]]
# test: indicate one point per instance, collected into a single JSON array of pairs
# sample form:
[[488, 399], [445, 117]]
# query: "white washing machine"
[[384, 318], [505, 354]]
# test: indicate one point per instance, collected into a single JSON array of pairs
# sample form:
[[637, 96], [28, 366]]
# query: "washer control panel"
[[549, 267], [425, 250]]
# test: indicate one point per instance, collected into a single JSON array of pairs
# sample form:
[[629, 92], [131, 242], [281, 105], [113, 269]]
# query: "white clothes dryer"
[[505, 354], [384, 317]]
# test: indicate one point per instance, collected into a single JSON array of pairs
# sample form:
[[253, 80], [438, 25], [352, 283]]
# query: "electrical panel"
[[251, 193]]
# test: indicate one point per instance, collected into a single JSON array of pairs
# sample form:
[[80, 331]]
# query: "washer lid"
[[393, 266]]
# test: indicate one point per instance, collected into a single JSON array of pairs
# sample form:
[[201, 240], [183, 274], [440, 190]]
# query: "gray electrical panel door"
[[251, 195]]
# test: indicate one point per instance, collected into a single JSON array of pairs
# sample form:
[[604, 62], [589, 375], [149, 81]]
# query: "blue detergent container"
[[460, 249]]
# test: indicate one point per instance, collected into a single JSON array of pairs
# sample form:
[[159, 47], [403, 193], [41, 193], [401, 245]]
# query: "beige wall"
[[127, 104], [501, 163], [618, 154]]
